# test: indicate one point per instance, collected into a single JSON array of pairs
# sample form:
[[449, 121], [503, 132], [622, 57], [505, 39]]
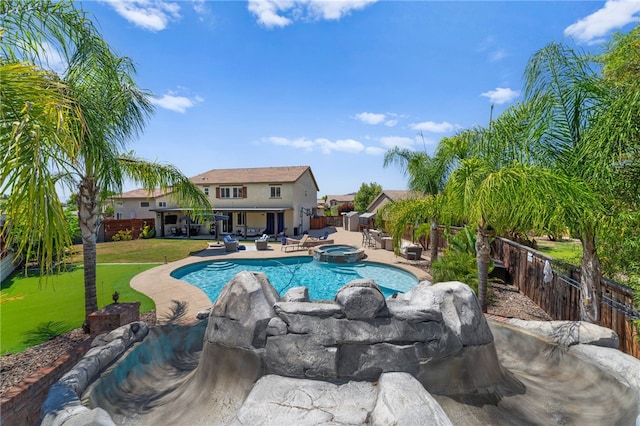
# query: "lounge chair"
[[295, 244], [230, 243]]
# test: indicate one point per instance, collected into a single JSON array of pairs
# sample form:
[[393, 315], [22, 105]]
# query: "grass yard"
[[28, 304], [153, 250], [569, 251]]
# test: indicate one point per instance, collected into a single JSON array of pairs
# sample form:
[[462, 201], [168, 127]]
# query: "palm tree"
[[588, 129], [90, 157], [426, 176], [499, 182], [559, 140]]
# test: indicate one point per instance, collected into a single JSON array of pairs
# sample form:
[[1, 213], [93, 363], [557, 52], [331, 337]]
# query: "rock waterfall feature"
[[426, 356]]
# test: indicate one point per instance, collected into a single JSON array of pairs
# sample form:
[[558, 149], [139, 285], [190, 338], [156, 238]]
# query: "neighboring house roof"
[[399, 194], [346, 198], [253, 175], [392, 195], [142, 193]]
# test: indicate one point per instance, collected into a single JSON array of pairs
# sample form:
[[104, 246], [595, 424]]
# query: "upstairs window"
[[206, 190], [144, 204], [162, 204], [275, 192], [232, 192]]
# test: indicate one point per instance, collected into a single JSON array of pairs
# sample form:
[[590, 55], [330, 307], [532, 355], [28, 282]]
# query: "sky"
[[333, 84]]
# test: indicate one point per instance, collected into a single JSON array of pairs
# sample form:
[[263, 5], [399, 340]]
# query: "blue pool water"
[[322, 279]]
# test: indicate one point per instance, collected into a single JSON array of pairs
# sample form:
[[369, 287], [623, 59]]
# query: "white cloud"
[[296, 143], [377, 118], [341, 145], [147, 14], [497, 55], [501, 95], [200, 7], [399, 141], [324, 145], [271, 13], [267, 12], [336, 9], [370, 117], [374, 150], [433, 127], [614, 15], [176, 103]]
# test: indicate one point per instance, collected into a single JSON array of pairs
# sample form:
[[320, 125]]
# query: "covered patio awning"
[[253, 209], [216, 216]]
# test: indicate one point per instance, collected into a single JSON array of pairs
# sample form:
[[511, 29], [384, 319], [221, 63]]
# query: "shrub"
[[123, 235], [147, 232], [458, 263]]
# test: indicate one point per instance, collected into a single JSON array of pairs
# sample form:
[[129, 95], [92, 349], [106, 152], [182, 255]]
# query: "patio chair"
[[295, 244], [230, 243], [262, 243], [412, 252]]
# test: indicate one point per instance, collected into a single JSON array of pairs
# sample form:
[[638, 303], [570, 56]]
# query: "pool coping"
[[158, 284]]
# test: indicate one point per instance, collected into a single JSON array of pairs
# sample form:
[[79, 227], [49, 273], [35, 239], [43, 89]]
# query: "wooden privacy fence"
[[113, 226], [560, 297]]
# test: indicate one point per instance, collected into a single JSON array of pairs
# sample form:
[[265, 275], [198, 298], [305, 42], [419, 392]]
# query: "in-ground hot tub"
[[338, 253]]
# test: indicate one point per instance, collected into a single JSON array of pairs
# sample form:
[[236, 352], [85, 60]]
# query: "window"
[[231, 192], [240, 219], [162, 204], [119, 203], [275, 192], [119, 216], [206, 190], [144, 204]]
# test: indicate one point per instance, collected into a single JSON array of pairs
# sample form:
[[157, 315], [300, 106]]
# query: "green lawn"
[[156, 250], [569, 251], [27, 303]]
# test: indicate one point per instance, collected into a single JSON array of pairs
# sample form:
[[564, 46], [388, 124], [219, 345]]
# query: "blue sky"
[[333, 84]]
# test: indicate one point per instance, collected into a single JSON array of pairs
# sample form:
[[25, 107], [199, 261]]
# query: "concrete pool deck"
[[158, 284]]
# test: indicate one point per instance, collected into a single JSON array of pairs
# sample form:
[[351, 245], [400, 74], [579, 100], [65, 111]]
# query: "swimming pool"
[[322, 279]]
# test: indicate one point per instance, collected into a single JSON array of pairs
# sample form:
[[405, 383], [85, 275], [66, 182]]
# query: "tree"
[[70, 130], [589, 126], [499, 183], [410, 212], [365, 195], [426, 176]]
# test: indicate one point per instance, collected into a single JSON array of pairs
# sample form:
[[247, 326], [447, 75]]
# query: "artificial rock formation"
[[426, 356], [431, 332]]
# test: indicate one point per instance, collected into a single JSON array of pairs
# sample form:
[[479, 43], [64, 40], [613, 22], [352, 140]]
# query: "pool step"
[[345, 271], [220, 266]]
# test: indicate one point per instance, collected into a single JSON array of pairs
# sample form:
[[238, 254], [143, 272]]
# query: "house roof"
[[346, 198], [392, 195], [240, 176], [143, 193], [399, 194]]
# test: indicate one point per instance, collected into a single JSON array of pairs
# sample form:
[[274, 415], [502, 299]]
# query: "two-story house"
[[261, 200], [246, 202]]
